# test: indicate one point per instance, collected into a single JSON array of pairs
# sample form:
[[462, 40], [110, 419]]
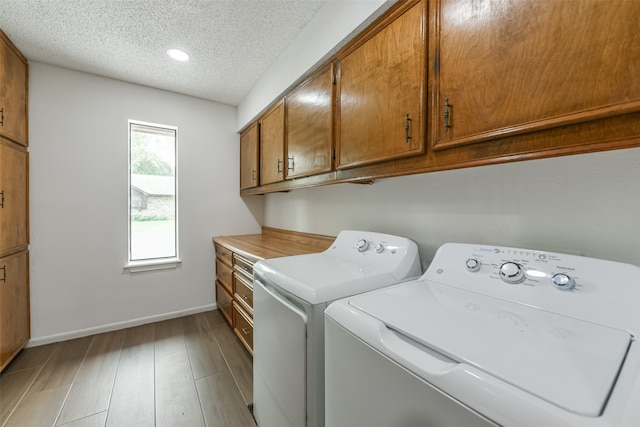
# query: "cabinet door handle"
[[3, 278], [446, 114], [246, 331], [407, 121], [279, 163], [2, 116], [291, 164], [253, 174], [2, 199]]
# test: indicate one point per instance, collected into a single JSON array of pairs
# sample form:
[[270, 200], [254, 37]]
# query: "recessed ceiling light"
[[178, 54]]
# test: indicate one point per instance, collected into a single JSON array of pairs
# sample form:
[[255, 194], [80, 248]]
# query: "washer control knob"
[[563, 281], [379, 248], [511, 272], [362, 245], [473, 265]]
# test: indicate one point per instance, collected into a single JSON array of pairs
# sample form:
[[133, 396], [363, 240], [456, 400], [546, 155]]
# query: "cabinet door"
[[310, 126], [272, 145], [14, 305], [505, 68], [382, 92], [13, 198], [249, 157], [13, 93]]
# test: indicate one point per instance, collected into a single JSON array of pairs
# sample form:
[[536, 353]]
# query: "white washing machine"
[[290, 296], [489, 336]]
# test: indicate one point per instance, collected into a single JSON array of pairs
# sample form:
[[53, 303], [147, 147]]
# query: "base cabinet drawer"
[[224, 274], [243, 326], [224, 301], [224, 255], [244, 293]]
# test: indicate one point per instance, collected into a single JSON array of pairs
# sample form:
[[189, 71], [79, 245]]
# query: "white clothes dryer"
[[490, 336], [290, 296]]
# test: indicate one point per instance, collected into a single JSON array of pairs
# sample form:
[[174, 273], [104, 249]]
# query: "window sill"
[[152, 265]]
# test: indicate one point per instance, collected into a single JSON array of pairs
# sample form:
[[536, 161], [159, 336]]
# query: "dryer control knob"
[[473, 265], [563, 281], [379, 248], [511, 272], [362, 245]]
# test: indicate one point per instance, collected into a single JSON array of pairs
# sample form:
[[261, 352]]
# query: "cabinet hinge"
[[335, 79], [333, 155]]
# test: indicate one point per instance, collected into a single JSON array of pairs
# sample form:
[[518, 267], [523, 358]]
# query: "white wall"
[[78, 192], [586, 204]]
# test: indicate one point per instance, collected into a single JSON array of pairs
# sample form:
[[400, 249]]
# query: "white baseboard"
[[34, 342]]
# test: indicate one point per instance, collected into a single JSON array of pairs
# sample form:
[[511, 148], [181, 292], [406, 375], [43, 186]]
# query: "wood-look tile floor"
[[185, 372]]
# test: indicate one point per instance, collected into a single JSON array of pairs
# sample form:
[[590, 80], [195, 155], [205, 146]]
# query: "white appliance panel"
[[280, 335], [370, 380], [518, 337], [568, 362], [356, 262]]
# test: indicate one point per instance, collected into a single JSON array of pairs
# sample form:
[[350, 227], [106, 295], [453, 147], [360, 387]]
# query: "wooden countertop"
[[274, 243]]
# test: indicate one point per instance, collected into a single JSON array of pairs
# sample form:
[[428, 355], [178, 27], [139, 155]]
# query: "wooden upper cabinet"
[[13, 198], [309, 115], [249, 140], [272, 162], [13, 92], [381, 91], [503, 68]]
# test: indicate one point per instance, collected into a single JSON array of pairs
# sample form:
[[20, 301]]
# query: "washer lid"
[[570, 363], [321, 277]]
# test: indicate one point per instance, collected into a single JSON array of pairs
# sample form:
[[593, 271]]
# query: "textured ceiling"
[[231, 42]]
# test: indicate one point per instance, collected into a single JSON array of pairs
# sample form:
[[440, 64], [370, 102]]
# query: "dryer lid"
[[570, 363]]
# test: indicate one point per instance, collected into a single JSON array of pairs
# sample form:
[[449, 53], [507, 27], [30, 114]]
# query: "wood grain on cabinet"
[[14, 195], [224, 274], [224, 300], [14, 305], [272, 162], [13, 92], [507, 68], [309, 116], [381, 91], [243, 327], [249, 144]]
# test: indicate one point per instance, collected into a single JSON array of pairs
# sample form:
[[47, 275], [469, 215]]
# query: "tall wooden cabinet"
[[14, 203]]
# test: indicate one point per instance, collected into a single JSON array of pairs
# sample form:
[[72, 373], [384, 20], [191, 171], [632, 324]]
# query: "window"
[[153, 215]]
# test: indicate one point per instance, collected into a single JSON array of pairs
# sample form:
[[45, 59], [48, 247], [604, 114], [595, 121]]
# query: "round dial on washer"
[[362, 245], [379, 248], [511, 272], [563, 281], [473, 265]]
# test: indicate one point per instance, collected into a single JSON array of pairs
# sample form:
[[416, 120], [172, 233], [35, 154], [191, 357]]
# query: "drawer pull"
[[244, 297], [4, 274], [407, 128], [246, 331], [447, 126], [2, 199]]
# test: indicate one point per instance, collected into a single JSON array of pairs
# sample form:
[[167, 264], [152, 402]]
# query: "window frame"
[[159, 263]]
